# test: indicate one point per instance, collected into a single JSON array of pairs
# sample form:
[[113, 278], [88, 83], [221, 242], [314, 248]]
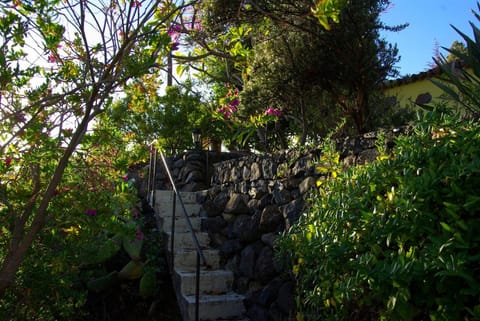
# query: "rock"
[[194, 176], [213, 224], [269, 293], [230, 247], [307, 184], [269, 238], [257, 313], [179, 163], [281, 195], [247, 260], [271, 219], [286, 297], [258, 189], [263, 266], [269, 169], [246, 173], [367, 156], [246, 228], [255, 172], [236, 205], [292, 211]]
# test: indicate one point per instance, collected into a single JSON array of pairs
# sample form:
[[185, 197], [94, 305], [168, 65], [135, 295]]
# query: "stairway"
[[217, 300]]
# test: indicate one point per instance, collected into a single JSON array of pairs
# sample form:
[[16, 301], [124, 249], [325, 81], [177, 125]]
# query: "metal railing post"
[[155, 160], [172, 233], [197, 289], [150, 170]]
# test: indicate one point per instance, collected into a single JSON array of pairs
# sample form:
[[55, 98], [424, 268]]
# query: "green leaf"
[[446, 227], [133, 247]]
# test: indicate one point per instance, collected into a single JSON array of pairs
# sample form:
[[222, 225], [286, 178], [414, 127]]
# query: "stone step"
[[227, 306], [212, 282], [184, 241], [163, 210], [186, 260], [181, 225], [166, 196]]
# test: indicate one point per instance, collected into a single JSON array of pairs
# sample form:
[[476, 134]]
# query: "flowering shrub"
[[229, 103], [239, 128], [273, 112]]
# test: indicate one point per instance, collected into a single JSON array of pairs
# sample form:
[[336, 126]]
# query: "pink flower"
[[51, 58], [273, 112], [8, 161], [125, 178], [136, 4], [91, 212], [139, 235], [135, 212]]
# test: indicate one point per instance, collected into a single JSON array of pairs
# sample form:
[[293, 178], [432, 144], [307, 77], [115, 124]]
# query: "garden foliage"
[[94, 230], [397, 239], [462, 84]]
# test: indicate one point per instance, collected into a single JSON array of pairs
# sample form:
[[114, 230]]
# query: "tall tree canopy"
[[279, 53], [61, 65]]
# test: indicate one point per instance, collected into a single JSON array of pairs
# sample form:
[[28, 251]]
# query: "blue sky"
[[430, 22]]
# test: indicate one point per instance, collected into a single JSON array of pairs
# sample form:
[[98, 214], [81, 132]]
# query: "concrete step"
[[184, 241], [228, 306], [163, 210], [181, 225], [212, 282], [166, 196], [186, 260]]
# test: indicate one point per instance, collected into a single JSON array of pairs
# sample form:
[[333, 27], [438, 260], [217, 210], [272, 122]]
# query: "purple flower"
[[91, 212], [234, 103], [139, 235], [125, 178], [174, 29]]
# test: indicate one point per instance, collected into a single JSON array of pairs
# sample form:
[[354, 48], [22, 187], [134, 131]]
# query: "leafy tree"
[[146, 115], [456, 46], [321, 73], [61, 63]]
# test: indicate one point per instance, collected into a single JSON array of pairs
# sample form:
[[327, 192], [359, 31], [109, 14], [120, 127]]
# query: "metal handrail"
[[200, 256]]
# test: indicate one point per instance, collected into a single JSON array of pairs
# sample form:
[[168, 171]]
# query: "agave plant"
[[463, 84]]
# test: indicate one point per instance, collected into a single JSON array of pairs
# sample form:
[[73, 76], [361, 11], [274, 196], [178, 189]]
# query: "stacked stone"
[[252, 200], [191, 171]]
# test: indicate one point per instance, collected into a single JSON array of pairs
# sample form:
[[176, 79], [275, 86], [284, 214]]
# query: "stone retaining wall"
[[252, 200], [249, 200]]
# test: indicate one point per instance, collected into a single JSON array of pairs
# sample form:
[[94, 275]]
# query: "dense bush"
[[397, 239], [95, 205]]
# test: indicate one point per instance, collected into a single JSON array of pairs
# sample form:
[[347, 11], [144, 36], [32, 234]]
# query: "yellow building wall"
[[406, 94]]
